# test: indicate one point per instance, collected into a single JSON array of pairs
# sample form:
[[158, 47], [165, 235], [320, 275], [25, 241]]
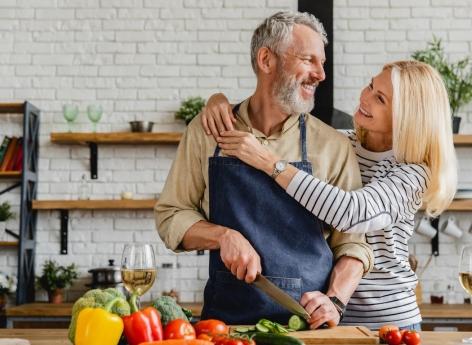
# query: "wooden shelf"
[[94, 204], [462, 140], [8, 244], [458, 205], [116, 138], [12, 108], [10, 174]]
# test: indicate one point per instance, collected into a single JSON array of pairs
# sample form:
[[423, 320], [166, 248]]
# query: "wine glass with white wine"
[[138, 271], [465, 276]]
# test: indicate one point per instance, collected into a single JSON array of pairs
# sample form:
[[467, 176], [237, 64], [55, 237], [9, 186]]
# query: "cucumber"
[[276, 339], [261, 328], [297, 323], [243, 329]]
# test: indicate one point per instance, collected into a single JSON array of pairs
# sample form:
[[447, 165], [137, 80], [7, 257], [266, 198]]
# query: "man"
[[254, 226]]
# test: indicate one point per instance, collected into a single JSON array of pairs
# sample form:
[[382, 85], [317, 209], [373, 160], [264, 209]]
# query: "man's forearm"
[[203, 235], [345, 277]]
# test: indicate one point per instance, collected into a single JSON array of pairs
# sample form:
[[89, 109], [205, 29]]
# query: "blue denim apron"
[[294, 253]]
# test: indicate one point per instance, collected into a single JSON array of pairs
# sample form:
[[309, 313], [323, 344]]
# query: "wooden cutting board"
[[342, 335]]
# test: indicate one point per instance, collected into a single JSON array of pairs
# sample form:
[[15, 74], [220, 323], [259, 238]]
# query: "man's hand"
[[239, 256], [320, 308]]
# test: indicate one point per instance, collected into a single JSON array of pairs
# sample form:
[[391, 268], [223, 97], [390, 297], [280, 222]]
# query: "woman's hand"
[[217, 115], [247, 148]]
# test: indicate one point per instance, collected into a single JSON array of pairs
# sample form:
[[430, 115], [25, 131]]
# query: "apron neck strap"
[[235, 112], [301, 121]]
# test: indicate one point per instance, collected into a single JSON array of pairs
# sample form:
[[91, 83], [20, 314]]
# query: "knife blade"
[[280, 296]]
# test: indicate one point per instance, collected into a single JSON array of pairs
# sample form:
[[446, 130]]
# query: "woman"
[[403, 141]]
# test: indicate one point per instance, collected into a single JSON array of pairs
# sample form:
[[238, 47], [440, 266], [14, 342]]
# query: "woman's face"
[[374, 112]]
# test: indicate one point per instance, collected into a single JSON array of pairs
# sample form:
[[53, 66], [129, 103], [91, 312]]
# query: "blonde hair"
[[422, 128]]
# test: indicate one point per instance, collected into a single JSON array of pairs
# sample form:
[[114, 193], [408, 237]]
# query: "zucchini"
[[276, 339]]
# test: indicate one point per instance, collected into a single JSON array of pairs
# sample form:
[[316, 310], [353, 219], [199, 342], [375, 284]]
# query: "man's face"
[[299, 71]]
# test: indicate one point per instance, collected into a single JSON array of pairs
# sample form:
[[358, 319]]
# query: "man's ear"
[[266, 60]]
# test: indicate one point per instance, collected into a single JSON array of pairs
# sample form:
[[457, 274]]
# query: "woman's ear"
[[266, 60]]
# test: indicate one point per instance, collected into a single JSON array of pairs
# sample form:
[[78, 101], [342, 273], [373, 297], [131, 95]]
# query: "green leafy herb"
[[457, 76], [5, 212], [190, 108]]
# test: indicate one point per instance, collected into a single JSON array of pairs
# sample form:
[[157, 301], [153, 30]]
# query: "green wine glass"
[[70, 112], [94, 113]]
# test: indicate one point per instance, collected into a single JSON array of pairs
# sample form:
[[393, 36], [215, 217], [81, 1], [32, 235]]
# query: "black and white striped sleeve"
[[396, 196]]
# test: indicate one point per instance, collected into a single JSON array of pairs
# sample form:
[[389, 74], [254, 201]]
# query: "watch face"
[[280, 165]]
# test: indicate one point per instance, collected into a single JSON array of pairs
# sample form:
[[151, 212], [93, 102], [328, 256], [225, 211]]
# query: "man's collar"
[[243, 116]]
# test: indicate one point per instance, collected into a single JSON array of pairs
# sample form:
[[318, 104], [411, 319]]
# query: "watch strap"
[[340, 306]]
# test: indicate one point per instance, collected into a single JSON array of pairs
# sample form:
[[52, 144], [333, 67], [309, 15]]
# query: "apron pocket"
[[243, 303]]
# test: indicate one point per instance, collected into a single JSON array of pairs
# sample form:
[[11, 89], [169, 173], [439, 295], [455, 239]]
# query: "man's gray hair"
[[275, 32]]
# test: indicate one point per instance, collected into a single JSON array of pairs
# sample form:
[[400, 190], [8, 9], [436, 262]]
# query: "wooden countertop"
[[59, 336], [65, 309], [430, 311], [446, 311]]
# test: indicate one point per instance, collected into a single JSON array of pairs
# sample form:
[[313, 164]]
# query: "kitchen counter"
[[59, 336], [46, 313], [446, 316], [453, 315]]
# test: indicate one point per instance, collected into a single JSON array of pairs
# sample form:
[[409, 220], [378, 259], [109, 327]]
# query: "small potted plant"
[[55, 278], [457, 76], [7, 286], [190, 108], [5, 215]]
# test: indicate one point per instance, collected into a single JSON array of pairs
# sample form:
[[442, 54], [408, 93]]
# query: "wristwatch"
[[279, 166], [340, 306]]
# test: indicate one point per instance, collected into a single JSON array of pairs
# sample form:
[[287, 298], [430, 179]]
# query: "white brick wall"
[[139, 59]]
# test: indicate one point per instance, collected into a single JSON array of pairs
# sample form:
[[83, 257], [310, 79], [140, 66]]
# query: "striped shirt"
[[384, 209]]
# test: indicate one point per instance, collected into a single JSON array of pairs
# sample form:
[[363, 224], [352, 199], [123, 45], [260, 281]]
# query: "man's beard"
[[287, 94]]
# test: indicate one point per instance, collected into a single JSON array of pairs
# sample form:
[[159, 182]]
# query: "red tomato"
[[211, 327], [385, 329], [411, 338], [204, 337], [234, 341], [249, 342], [179, 329], [394, 337]]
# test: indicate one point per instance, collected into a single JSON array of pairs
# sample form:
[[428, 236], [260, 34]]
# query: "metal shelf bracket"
[[435, 239], [93, 161], [64, 231]]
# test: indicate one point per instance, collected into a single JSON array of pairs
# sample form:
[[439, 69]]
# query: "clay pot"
[[56, 296]]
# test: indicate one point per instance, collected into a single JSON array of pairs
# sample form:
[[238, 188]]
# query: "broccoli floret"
[[169, 309], [115, 293], [97, 298]]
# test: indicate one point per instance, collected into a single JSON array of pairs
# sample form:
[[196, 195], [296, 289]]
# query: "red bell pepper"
[[142, 325]]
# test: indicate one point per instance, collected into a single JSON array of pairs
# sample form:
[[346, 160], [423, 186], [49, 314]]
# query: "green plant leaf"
[[457, 76]]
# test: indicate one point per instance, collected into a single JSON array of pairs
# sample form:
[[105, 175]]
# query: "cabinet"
[[27, 181]]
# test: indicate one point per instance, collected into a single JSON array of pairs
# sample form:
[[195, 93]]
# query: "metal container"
[[141, 126], [105, 277]]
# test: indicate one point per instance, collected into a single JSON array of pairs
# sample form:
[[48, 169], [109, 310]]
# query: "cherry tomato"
[[385, 329], [179, 329], [411, 338], [204, 336], [211, 327], [234, 341], [394, 337], [249, 342]]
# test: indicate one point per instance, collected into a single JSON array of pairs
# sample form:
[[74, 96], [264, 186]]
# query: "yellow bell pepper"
[[97, 326]]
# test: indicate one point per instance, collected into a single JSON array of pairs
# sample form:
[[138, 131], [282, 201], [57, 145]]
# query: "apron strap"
[[303, 137], [235, 112]]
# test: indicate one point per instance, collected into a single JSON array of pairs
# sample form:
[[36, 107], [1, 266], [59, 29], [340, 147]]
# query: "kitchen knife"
[[280, 296]]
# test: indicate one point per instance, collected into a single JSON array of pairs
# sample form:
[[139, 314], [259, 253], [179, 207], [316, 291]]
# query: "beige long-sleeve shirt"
[[185, 198]]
